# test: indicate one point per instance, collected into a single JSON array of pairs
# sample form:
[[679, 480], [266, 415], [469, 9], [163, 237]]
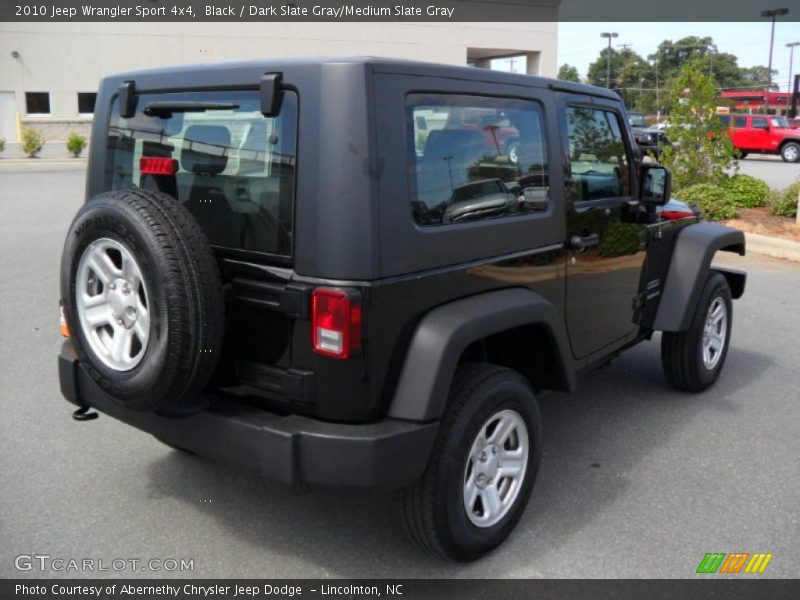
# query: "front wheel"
[[482, 468], [791, 152], [693, 359]]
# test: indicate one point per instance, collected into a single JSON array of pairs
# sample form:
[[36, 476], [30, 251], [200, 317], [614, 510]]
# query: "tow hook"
[[83, 414]]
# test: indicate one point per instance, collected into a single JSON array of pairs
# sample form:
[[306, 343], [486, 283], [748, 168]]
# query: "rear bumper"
[[294, 450]]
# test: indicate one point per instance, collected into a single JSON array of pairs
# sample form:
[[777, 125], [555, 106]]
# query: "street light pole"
[[772, 14], [658, 98], [608, 35], [791, 46]]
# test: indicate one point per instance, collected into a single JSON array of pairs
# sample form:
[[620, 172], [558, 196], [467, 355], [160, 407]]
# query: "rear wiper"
[[165, 109]]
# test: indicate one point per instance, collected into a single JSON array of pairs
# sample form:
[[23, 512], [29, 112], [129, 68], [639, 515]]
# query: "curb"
[[772, 246]]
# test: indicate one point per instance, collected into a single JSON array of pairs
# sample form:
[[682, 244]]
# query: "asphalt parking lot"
[[637, 480], [771, 169]]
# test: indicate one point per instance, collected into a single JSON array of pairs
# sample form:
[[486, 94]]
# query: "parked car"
[[651, 140], [677, 209], [276, 268], [763, 134]]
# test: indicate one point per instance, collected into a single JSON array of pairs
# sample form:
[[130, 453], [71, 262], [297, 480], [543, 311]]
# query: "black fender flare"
[[691, 261], [444, 333]]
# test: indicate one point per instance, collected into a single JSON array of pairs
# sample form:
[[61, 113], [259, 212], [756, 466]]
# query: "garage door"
[[8, 117]]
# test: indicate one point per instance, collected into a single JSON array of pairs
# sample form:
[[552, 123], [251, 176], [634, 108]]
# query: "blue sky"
[[580, 43]]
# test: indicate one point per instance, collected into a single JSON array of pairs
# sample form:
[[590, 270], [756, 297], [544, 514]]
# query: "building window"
[[37, 103], [86, 102]]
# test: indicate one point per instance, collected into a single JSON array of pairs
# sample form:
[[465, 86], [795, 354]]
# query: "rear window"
[[234, 168]]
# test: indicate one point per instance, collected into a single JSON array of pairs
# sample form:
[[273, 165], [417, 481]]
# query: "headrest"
[[205, 149], [446, 142]]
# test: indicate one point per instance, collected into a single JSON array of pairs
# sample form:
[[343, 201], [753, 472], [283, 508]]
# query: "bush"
[[32, 141], [75, 144], [745, 190], [2, 144], [715, 202], [784, 203]]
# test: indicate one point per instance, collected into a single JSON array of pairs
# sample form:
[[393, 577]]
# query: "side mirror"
[[655, 184]]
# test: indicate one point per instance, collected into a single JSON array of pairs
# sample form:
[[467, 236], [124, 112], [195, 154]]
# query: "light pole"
[[791, 46], [610, 36], [658, 98], [772, 14]]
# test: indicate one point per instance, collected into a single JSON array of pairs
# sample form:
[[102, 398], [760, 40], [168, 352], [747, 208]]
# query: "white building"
[[49, 72]]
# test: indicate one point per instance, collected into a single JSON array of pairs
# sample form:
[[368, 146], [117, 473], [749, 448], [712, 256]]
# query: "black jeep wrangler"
[[331, 272], [651, 141]]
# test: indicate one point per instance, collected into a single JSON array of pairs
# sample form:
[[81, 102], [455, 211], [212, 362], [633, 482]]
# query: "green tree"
[[567, 72], [756, 76], [630, 75], [703, 152]]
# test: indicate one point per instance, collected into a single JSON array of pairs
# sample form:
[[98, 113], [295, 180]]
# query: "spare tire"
[[143, 300]]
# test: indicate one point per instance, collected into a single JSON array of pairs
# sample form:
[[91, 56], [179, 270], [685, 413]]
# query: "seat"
[[204, 157]]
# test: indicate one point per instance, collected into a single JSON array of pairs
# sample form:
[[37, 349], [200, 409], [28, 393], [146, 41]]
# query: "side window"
[[473, 157], [739, 122], [599, 165], [759, 123]]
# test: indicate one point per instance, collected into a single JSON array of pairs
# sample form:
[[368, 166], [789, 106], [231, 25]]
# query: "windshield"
[[779, 122], [636, 120]]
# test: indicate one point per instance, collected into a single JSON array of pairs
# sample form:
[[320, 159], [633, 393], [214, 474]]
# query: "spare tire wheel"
[[143, 300]]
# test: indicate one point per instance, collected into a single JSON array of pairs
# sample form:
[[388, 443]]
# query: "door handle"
[[583, 242]]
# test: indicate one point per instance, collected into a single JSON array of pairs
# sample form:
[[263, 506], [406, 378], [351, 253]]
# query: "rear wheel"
[[512, 151], [692, 359], [482, 468], [790, 152]]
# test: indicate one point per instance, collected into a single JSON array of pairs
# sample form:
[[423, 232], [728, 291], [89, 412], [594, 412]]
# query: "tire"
[[683, 358], [170, 318], [742, 155], [790, 152], [434, 509]]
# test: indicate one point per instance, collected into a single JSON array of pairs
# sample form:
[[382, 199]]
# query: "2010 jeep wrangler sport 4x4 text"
[[335, 273]]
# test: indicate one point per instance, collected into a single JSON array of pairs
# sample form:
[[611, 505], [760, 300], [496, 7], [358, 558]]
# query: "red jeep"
[[764, 134]]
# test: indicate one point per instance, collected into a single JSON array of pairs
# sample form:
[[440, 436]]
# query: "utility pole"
[[772, 14], [791, 46], [610, 36]]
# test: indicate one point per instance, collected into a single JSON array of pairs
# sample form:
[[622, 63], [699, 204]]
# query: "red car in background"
[[763, 134]]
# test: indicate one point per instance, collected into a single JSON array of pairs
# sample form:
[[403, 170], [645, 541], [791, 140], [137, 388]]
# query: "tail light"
[[155, 165], [335, 322], [672, 215]]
